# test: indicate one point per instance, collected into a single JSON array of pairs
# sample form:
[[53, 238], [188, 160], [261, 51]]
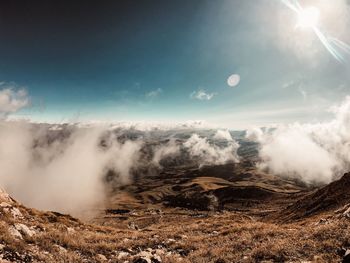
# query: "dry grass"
[[218, 237]]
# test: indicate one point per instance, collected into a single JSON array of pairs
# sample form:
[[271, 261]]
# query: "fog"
[[64, 167]]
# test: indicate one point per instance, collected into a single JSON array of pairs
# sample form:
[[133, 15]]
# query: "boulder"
[[5, 197], [25, 230], [14, 232]]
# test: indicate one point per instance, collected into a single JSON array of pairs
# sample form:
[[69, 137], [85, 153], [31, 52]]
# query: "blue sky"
[[142, 60]]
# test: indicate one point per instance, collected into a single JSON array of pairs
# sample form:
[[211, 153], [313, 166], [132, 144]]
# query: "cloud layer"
[[313, 153], [68, 168]]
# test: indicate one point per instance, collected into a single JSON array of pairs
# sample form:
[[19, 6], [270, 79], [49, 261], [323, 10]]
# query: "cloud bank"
[[61, 171], [314, 153], [207, 153], [70, 169]]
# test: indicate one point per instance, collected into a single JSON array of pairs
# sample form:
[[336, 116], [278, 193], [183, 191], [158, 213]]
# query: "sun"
[[308, 17]]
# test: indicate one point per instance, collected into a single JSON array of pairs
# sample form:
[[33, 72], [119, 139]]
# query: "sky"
[[162, 60]]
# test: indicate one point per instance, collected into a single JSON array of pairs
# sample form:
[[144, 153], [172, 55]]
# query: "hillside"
[[142, 224]]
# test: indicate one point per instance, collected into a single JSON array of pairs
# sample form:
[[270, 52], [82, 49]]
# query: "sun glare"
[[308, 17]]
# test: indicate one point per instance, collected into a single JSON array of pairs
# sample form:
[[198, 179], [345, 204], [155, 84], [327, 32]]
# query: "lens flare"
[[309, 18]]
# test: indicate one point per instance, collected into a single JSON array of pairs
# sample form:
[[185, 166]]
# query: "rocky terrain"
[[224, 213]]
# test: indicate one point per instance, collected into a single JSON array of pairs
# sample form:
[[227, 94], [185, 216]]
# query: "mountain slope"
[[325, 199]]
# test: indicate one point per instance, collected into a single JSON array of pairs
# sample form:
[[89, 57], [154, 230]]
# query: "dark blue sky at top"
[[102, 59]]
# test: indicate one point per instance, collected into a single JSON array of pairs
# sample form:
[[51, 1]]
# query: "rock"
[[346, 258], [145, 254], [16, 213], [4, 205], [156, 259], [347, 213], [132, 225], [25, 230], [70, 230], [2, 246], [148, 256], [170, 240], [101, 257], [61, 249], [14, 232], [160, 251], [122, 254], [5, 197]]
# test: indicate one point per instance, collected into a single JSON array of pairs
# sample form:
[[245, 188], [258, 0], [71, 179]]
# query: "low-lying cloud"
[[62, 172], [313, 153], [207, 153], [65, 167]]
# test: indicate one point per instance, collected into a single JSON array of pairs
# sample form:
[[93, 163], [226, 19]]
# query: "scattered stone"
[[156, 259], [70, 230], [159, 252], [149, 256], [61, 249], [16, 213], [122, 254], [132, 225], [145, 254], [347, 213], [101, 257], [170, 240]]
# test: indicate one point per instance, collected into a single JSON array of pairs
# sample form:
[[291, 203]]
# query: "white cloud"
[[163, 151], [200, 148], [154, 93], [12, 100], [63, 172], [201, 94], [223, 135], [314, 153]]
